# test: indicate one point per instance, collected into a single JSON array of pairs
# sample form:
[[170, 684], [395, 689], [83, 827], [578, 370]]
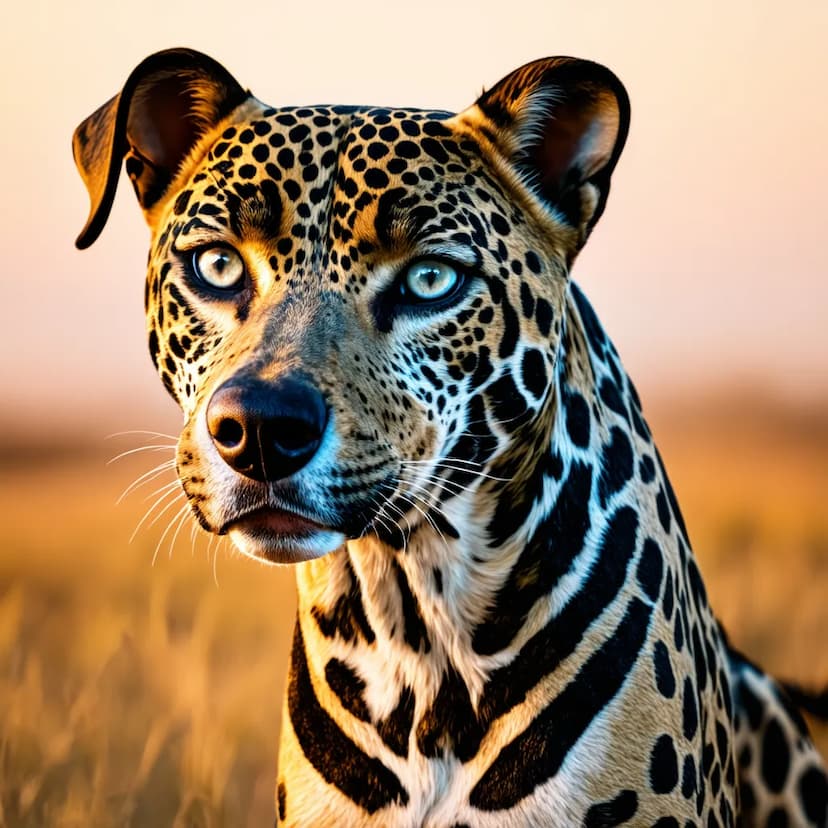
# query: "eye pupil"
[[430, 281], [219, 267]]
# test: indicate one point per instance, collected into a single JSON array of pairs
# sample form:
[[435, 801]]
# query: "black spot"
[[435, 150], [281, 799], [577, 417], [182, 201], [671, 496], [506, 403], [347, 618], [663, 510], [750, 704], [543, 316], [747, 796], [688, 777], [678, 636], [176, 347], [616, 465], [533, 372], [538, 752], [299, 133], [667, 604], [348, 687], [665, 680], [716, 780], [651, 569], [407, 149], [396, 728], [532, 261], [698, 658], [777, 819], [690, 713], [813, 789], [441, 525], [450, 723], [666, 822], [286, 158], [387, 211], [611, 397], [362, 778], [527, 300], [722, 742], [613, 812], [376, 178], [663, 765], [153, 347], [776, 756], [415, 633], [438, 580], [646, 469], [510, 332], [377, 150], [594, 331]]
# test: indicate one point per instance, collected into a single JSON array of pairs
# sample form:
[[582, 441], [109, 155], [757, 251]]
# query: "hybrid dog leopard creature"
[[389, 379]]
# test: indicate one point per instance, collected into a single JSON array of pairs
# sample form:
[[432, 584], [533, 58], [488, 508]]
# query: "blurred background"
[[140, 683]]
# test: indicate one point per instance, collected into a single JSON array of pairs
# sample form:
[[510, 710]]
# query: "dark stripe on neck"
[[546, 649], [450, 724], [539, 751], [347, 619], [547, 556], [360, 777], [396, 728], [414, 628]]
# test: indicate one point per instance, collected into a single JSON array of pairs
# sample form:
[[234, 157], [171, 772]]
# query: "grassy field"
[[149, 694]]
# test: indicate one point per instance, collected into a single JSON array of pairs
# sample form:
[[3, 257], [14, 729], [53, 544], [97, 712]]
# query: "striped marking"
[[362, 778]]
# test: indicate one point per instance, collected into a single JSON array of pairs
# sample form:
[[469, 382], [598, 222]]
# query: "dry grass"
[[132, 694], [143, 695]]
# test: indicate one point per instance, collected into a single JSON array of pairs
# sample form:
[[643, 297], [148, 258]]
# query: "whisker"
[[186, 512], [164, 533], [193, 535], [151, 509], [151, 447], [154, 472], [448, 464], [408, 496], [171, 484], [140, 431]]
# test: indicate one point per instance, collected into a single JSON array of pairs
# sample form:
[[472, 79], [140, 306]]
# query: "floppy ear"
[[168, 102], [562, 123]]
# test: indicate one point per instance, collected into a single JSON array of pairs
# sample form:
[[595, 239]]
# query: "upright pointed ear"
[[562, 123], [168, 102]]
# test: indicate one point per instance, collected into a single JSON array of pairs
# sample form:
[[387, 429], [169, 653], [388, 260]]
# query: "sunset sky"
[[709, 267]]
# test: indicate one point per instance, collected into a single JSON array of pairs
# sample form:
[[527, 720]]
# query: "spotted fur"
[[500, 621]]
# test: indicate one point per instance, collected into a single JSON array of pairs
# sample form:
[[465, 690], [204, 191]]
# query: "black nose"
[[266, 430]]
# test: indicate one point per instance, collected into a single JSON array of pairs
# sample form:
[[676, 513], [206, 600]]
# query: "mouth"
[[281, 536]]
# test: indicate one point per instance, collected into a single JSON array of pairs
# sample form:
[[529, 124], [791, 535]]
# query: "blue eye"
[[429, 280], [219, 267]]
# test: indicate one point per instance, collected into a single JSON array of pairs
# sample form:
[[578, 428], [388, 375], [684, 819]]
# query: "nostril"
[[293, 436], [229, 433]]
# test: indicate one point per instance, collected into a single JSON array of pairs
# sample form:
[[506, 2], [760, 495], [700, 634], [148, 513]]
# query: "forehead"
[[334, 155]]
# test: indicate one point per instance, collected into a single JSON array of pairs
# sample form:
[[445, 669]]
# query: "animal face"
[[357, 309]]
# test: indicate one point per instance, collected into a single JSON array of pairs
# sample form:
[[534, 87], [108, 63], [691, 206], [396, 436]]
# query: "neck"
[[470, 585]]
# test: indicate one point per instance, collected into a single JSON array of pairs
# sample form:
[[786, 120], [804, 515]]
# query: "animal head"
[[358, 309]]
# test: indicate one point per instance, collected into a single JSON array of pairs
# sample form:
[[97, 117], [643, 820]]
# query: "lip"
[[275, 521]]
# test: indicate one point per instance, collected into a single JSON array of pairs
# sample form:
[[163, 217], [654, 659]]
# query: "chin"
[[286, 549]]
